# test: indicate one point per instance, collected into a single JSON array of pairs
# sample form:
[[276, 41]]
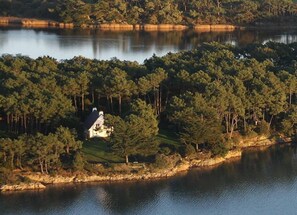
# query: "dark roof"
[[91, 119]]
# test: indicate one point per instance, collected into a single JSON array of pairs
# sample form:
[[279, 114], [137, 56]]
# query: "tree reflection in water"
[[125, 45], [258, 173]]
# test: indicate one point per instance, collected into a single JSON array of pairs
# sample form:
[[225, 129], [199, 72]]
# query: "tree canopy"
[[154, 11], [207, 97]]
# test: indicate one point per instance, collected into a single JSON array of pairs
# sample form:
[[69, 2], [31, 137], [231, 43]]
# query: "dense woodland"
[[189, 12], [207, 97]]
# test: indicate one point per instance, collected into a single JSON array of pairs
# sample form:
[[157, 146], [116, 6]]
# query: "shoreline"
[[39, 181], [39, 23]]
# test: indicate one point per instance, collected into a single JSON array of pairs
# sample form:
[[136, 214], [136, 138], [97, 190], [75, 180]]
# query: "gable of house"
[[98, 123], [91, 119]]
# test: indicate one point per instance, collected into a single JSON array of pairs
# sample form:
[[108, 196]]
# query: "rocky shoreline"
[[39, 181], [37, 23], [23, 186], [182, 165]]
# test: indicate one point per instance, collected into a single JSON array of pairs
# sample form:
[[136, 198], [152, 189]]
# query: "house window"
[[97, 127]]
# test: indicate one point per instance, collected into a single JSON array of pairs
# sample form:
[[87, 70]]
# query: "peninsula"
[[191, 108]]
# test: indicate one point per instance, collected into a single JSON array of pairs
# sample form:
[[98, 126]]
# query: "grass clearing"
[[96, 150], [168, 138]]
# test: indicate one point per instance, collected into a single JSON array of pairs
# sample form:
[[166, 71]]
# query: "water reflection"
[[130, 45], [260, 182], [35, 202]]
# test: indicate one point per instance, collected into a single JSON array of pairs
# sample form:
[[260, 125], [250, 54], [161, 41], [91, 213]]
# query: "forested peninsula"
[[140, 12], [191, 107]]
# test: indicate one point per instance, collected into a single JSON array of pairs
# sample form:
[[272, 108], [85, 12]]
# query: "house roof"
[[92, 118]]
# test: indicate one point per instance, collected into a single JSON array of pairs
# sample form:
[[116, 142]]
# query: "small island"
[[189, 109]]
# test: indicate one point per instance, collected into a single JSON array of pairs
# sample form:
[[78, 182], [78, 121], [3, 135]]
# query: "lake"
[[130, 45], [261, 182]]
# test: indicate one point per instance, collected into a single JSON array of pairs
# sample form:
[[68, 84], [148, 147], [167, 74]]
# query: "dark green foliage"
[[165, 150], [263, 128], [78, 162], [205, 98], [136, 134], [43, 152], [219, 148], [161, 161], [189, 150], [165, 162], [67, 138], [188, 12], [29, 8], [289, 124], [6, 176], [198, 122], [73, 11]]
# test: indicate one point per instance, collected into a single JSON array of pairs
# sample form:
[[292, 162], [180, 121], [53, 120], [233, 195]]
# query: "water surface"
[[130, 45], [261, 182]]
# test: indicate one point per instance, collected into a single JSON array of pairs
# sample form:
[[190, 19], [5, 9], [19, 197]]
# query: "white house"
[[94, 125]]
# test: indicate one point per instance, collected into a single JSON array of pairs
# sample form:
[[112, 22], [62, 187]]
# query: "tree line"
[[154, 11], [208, 97], [44, 153]]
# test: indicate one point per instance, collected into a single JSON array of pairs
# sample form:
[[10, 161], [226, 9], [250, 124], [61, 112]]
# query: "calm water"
[[134, 46], [262, 182]]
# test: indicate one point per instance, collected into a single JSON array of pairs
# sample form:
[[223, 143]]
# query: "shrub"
[[219, 149], [165, 150], [189, 150], [7, 177], [91, 168], [78, 162], [164, 162], [263, 128], [161, 162]]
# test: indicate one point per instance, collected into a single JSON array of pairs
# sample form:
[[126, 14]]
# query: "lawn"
[[168, 138], [97, 151]]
